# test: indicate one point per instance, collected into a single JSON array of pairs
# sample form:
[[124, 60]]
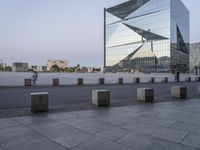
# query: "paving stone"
[[4, 123], [77, 121], [41, 145], [192, 140], [139, 141], [18, 141], [86, 113], [94, 126], [154, 121], [29, 120], [195, 115], [175, 117], [64, 134], [160, 132], [61, 116], [120, 120], [171, 125], [16, 135], [100, 144], [186, 127], [114, 133]]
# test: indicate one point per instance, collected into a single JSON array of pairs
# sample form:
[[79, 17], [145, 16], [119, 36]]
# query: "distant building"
[[39, 68], [60, 63], [195, 57], [20, 67]]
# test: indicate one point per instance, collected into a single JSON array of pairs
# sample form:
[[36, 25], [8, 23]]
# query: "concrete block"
[[188, 79], [55, 82], [101, 81], [136, 80], [80, 81], [120, 81], [197, 79], [145, 94], [179, 92], [39, 102], [101, 97], [199, 89], [165, 80], [27, 82], [152, 80]]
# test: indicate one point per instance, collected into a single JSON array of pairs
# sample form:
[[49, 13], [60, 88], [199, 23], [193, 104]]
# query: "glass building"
[[195, 57], [147, 36]]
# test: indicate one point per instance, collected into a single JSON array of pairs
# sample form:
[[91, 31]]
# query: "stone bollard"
[[120, 81], [188, 79], [152, 80], [101, 97], [55, 82], [179, 92], [27, 82], [165, 80], [101, 81], [136, 80], [80, 81], [39, 102], [197, 79], [199, 89], [145, 94]]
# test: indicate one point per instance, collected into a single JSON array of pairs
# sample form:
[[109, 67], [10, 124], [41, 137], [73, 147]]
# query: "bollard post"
[[27, 82], [152, 80], [101, 97], [55, 82], [120, 81], [39, 102], [179, 92], [80, 81], [101, 81], [136, 80], [145, 94]]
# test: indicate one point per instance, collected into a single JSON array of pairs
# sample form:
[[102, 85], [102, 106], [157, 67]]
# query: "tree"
[[55, 68], [70, 69]]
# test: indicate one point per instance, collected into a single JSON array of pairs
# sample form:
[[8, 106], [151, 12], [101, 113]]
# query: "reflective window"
[[147, 36]]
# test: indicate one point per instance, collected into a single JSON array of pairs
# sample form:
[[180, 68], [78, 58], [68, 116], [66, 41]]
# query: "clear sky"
[[37, 30]]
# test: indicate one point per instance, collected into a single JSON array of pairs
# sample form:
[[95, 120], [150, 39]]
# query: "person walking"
[[34, 77]]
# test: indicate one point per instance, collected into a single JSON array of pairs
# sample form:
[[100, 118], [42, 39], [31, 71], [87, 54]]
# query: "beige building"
[[60, 63]]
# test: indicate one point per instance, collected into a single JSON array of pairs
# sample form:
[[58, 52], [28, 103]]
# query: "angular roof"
[[126, 8]]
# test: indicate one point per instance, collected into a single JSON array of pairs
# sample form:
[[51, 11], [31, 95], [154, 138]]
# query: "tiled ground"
[[161, 126]]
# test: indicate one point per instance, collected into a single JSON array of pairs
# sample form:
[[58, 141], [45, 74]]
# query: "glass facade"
[[147, 36], [195, 56]]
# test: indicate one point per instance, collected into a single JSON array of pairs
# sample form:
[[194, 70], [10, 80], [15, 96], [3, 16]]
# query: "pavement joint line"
[[190, 114], [26, 126], [197, 148], [2, 147], [172, 124], [160, 138]]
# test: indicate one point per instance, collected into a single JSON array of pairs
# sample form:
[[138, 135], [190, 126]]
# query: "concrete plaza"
[[157, 126]]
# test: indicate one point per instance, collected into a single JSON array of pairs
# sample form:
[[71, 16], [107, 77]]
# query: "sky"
[[35, 31]]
